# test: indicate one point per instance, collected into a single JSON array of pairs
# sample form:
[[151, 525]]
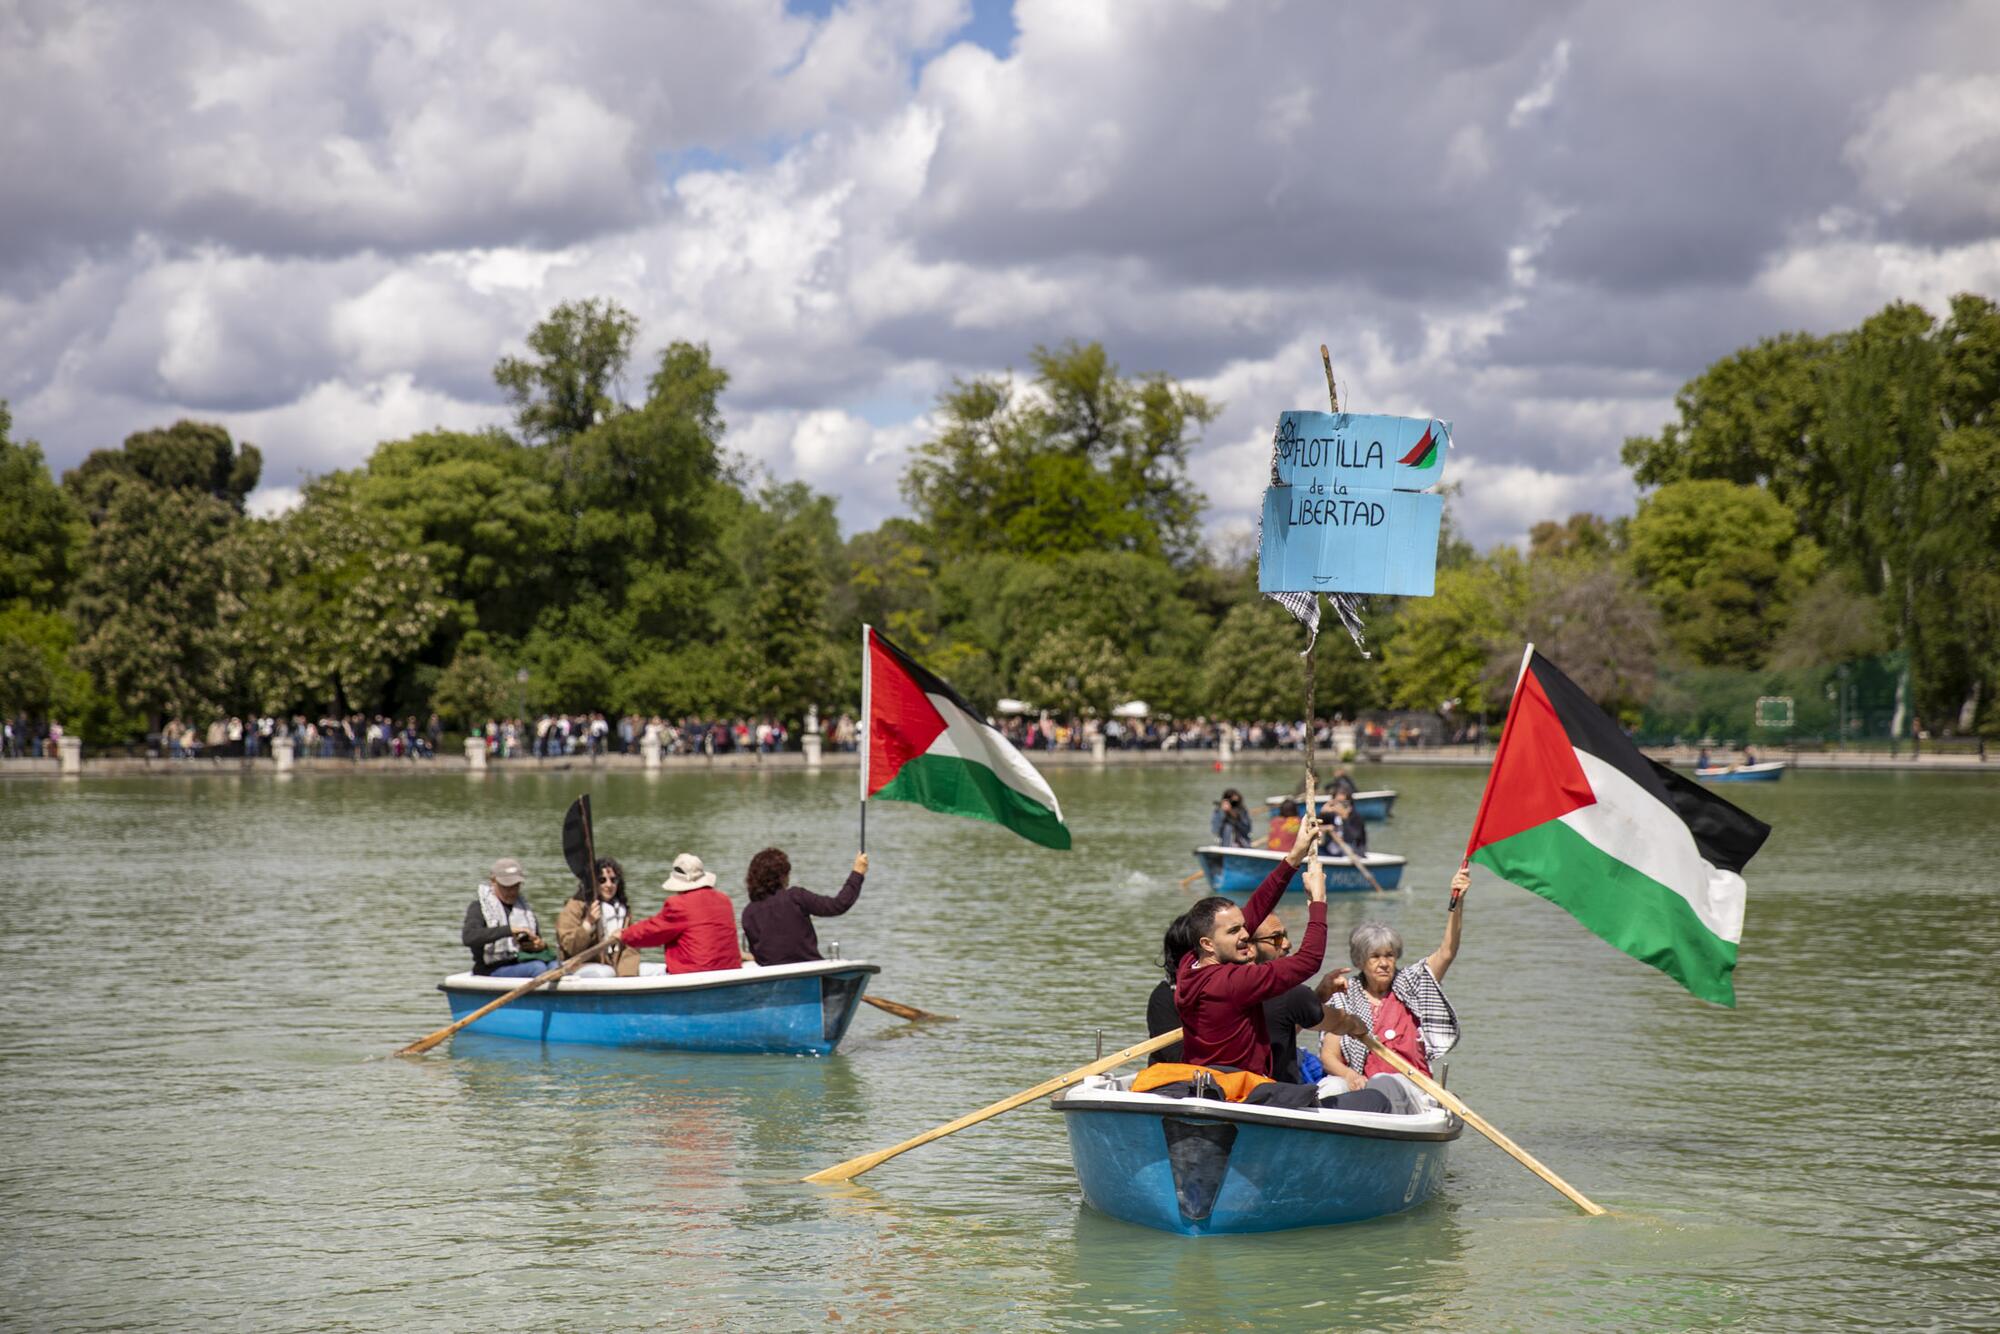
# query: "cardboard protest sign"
[[1351, 511]]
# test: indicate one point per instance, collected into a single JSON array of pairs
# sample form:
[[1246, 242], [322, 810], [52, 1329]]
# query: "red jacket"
[[1222, 1005], [698, 927]]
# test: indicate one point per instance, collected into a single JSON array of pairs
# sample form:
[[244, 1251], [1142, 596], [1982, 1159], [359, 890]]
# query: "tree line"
[[1815, 499]]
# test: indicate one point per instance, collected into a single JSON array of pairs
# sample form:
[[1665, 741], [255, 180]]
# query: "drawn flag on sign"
[[1647, 859], [921, 742]]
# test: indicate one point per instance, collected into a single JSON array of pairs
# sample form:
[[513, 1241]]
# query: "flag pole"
[[867, 727]]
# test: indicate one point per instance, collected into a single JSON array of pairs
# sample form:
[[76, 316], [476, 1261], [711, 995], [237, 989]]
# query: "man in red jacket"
[[697, 923], [1220, 988]]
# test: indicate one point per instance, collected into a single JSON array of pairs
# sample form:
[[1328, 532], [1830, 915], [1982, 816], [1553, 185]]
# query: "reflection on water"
[[202, 969]]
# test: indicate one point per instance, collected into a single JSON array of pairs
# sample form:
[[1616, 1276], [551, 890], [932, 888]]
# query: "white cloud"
[[1932, 149], [1543, 95]]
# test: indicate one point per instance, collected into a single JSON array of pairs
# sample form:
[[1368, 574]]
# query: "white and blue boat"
[[1770, 771], [794, 1008], [1238, 871], [1370, 806], [1200, 1168]]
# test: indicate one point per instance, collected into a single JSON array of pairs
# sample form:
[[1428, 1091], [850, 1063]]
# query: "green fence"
[[1854, 702]]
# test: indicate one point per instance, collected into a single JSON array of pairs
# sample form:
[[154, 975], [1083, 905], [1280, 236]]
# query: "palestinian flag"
[[923, 743], [1647, 859]]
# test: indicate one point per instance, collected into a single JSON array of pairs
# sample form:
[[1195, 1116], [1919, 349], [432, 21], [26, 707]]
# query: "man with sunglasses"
[[1288, 1011]]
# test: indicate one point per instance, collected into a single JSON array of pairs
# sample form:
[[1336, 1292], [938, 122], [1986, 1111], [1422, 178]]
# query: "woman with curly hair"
[[778, 920]]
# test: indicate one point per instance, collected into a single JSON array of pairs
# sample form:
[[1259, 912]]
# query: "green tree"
[[484, 516], [348, 604], [1723, 562], [1253, 668], [1586, 612], [1755, 418], [472, 688], [1082, 460], [40, 526], [1074, 671], [570, 381], [789, 663], [1444, 646], [163, 579]]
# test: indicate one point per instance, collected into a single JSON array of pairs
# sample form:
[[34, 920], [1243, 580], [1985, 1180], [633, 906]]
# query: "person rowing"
[[1342, 822], [1404, 1008], [1220, 990], [696, 924]]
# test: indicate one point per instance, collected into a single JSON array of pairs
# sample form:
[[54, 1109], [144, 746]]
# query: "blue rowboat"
[[1199, 1168], [797, 1008], [1238, 871], [1770, 771], [1370, 806]]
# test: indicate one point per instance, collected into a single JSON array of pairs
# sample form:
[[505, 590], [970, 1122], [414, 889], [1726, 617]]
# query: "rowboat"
[[1238, 871], [796, 1008], [1770, 771], [1371, 806], [1197, 1167]]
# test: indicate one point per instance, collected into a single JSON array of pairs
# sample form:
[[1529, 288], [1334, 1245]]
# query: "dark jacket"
[[779, 926]]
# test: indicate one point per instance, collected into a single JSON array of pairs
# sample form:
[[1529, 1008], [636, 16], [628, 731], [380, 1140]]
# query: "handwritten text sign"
[[1350, 513]]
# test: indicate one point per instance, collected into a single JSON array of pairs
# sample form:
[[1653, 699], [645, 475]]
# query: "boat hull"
[[1769, 772], [799, 1009], [1188, 1170], [1238, 871], [1370, 806]]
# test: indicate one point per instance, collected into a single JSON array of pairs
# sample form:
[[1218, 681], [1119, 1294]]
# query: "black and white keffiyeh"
[[1417, 988], [519, 918]]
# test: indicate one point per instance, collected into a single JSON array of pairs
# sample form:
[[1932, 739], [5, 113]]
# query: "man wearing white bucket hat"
[[697, 924]]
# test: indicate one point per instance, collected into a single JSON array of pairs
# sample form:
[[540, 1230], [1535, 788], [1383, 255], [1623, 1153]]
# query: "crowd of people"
[[557, 734], [695, 928], [1255, 1027], [1254, 1031], [25, 738]]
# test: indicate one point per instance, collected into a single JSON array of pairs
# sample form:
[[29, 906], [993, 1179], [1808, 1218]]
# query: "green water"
[[200, 970]]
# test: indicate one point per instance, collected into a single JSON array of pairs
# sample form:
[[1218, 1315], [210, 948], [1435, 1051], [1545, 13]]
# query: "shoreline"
[[120, 766]]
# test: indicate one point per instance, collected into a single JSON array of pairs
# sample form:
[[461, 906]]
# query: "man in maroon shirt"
[[697, 924]]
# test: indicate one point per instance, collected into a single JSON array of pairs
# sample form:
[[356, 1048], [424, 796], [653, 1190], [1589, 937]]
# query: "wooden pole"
[[422, 1045], [910, 1012], [854, 1167], [901, 1011], [1482, 1125]]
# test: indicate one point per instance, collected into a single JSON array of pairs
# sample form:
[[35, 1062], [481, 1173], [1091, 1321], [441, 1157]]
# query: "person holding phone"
[[500, 928]]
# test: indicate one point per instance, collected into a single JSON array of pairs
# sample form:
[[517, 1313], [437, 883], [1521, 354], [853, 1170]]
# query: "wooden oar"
[[901, 1011], [422, 1045], [1482, 1125], [1366, 874], [909, 1012], [854, 1167]]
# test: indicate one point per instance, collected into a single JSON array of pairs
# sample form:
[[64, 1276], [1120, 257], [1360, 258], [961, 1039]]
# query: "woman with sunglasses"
[[592, 913]]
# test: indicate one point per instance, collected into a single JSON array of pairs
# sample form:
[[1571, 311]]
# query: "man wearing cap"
[[697, 924], [500, 926]]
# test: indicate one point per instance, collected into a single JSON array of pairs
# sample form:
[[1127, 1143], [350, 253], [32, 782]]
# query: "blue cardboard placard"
[[1350, 513]]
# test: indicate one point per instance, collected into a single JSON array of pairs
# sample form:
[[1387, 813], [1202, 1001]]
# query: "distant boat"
[[794, 1008], [1370, 806], [1239, 871], [1770, 771], [1197, 1167]]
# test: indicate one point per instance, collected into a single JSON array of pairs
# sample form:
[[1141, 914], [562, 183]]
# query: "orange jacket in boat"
[[1235, 1084]]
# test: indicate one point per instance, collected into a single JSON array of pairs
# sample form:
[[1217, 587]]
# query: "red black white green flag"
[[1646, 858], [922, 742]]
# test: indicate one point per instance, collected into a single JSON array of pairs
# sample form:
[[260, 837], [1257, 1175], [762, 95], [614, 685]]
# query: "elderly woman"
[[1404, 1008], [591, 914]]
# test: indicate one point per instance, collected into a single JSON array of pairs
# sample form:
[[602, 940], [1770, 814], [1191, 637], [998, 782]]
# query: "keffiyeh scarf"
[[1437, 1022]]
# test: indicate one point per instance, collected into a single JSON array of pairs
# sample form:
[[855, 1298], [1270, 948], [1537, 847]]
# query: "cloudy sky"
[[321, 224]]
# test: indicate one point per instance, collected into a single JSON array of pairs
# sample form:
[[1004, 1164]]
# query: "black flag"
[[577, 848]]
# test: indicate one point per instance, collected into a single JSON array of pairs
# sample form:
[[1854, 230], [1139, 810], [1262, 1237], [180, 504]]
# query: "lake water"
[[204, 974]]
